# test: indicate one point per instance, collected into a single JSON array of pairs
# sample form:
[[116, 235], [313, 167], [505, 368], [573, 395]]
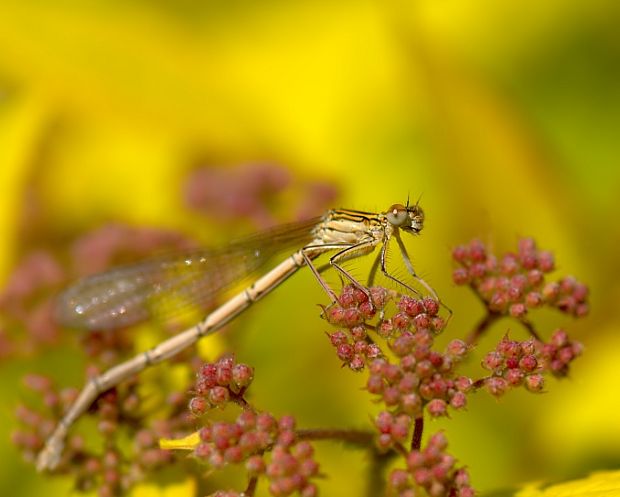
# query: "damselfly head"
[[409, 218]]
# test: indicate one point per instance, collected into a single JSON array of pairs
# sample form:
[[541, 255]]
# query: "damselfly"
[[130, 294]]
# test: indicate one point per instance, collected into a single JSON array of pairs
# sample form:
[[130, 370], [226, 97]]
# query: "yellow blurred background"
[[503, 116]]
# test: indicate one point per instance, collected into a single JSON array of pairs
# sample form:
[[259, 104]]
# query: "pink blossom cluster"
[[422, 378], [515, 283], [112, 470], [559, 352], [393, 429], [25, 305], [353, 348], [91, 472], [414, 314], [352, 310], [26, 301], [515, 363], [252, 191], [220, 382], [269, 448], [356, 305], [433, 470]]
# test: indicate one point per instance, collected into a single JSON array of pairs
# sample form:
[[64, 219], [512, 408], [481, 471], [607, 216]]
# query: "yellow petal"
[[182, 489], [188, 443], [606, 483]]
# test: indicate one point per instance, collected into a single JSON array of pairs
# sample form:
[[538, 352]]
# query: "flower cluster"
[[414, 314], [559, 352], [420, 376], [37, 426], [433, 470], [111, 471], [26, 301], [23, 308], [355, 306], [393, 429], [515, 363], [354, 349], [290, 465], [117, 468], [516, 282], [252, 192], [220, 382]]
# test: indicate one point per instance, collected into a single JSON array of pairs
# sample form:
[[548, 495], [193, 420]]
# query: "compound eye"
[[397, 215]]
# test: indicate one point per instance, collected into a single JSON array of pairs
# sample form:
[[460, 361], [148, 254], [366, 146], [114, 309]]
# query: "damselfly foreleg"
[[412, 272]]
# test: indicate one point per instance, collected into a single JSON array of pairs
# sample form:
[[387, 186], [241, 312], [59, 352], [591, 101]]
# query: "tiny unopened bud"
[[496, 386], [533, 299], [546, 261], [437, 407], [399, 479], [374, 384], [559, 338], [535, 277], [458, 400], [219, 395], [518, 310], [357, 363], [535, 382], [255, 465], [528, 363], [198, 406], [391, 396], [463, 384], [345, 352], [242, 375], [514, 377], [477, 251], [493, 361], [551, 291], [411, 404], [460, 276], [457, 348], [460, 253]]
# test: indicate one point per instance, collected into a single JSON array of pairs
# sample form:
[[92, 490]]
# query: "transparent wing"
[[163, 285]]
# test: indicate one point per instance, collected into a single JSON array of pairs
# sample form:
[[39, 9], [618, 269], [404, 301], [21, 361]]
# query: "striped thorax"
[[350, 227]]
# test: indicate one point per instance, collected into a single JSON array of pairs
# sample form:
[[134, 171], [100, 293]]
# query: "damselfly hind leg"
[[349, 253], [343, 254]]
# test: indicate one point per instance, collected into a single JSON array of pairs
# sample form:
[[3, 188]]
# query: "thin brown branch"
[[251, 488], [376, 473], [529, 326], [418, 429], [484, 324], [356, 437]]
